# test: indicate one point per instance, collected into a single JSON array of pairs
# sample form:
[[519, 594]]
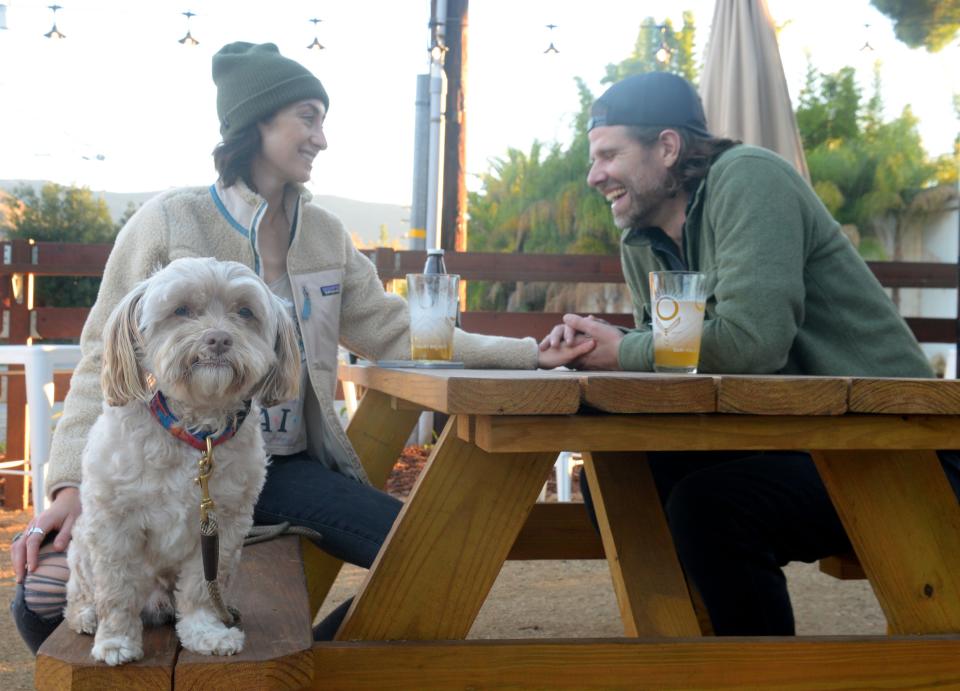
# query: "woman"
[[271, 112]]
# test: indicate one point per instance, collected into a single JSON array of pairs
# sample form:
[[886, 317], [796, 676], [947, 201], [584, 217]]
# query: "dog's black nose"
[[218, 341]]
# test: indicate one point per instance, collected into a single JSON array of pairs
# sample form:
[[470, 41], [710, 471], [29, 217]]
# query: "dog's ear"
[[282, 382], [122, 378]]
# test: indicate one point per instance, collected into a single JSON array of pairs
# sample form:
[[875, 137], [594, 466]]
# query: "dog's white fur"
[[209, 335]]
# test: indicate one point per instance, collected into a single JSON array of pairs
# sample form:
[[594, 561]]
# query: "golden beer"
[[678, 305], [430, 351]]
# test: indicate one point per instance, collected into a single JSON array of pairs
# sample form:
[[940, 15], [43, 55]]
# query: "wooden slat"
[[933, 330], [523, 324], [795, 664], [516, 433], [917, 396], [647, 578], [772, 395], [904, 524], [492, 392], [271, 594], [915, 274], [458, 525], [652, 393], [557, 531], [64, 662], [60, 323]]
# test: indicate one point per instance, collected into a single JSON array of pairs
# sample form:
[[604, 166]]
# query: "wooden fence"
[[23, 261]]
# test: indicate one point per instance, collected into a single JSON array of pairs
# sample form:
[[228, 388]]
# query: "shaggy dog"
[[193, 345]]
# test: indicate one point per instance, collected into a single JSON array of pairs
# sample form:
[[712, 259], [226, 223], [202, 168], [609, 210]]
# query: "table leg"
[[904, 523], [378, 432], [647, 578], [448, 544]]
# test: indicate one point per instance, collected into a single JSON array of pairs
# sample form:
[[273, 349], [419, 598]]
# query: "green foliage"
[[61, 214], [864, 168], [928, 23], [539, 201]]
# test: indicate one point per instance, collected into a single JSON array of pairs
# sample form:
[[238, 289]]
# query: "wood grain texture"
[[448, 544], [557, 531], [714, 432], [647, 579], [488, 392], [794, 664], [903, 521], [64, 662], [905, 396], [770, 395], [271, 593], [639, 392]]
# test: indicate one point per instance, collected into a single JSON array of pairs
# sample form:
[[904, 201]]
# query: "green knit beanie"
[[254, 81]]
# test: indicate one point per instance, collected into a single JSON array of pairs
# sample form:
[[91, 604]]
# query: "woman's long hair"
[[697, 154], [234, 156]]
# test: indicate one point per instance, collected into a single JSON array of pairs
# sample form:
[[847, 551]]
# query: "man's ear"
[[670, 143]]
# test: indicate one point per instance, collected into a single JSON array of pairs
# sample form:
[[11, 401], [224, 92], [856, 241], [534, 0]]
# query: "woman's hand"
[[62, 514], [564, 352]]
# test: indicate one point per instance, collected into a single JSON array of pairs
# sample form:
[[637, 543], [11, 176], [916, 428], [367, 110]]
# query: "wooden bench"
[[271, 594]]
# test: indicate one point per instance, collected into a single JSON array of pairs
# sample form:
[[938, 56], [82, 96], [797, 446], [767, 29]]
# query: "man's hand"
[[61, 516], [576, 329], [564, 353]]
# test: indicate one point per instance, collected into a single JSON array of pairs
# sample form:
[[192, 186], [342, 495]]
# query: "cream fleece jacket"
[[338, 295]]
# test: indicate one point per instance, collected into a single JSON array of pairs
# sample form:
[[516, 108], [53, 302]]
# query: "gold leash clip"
[[205, 467]]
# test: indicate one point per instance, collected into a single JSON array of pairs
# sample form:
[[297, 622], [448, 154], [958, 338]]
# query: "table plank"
[[272, 596], [448, 544], [905, 396], [774, 395], [793, 664], [515, 433], [64, 662], [489, 392], [904, 523], [638, 392], [647, 578]]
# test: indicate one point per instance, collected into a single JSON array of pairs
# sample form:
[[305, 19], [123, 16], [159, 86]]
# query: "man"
[[787, 293]]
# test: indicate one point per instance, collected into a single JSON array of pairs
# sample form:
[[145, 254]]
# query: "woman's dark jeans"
[[737, 518], [352, 518]]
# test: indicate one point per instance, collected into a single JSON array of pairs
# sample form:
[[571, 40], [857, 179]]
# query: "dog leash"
[[210, 540]]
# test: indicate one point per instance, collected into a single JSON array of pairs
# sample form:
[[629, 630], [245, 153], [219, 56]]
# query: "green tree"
[[863, 168], [61, 214], [539, 201], [928, 23]]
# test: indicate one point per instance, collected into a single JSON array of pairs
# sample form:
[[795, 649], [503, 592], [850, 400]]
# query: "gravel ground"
[[532, 599]]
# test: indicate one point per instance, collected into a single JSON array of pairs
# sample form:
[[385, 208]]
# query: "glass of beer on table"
[[433, 301], [677, 300]]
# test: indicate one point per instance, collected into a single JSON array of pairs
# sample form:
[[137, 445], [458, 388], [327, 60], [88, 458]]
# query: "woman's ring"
[[36, 529]]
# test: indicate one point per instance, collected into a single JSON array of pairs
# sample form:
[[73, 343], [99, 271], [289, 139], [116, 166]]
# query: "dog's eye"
[[245, 312], [182, 311]]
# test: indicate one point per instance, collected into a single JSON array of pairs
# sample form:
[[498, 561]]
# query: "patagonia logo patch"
[[332, 289]]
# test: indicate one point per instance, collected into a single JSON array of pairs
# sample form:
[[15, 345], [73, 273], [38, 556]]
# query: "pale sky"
[[122, 88]]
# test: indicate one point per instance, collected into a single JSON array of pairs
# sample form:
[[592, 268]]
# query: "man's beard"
[[644, 205]]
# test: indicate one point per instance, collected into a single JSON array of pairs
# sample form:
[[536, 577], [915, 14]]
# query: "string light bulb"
[[316, 45], [54, 31], [551, 48], [188, 39]]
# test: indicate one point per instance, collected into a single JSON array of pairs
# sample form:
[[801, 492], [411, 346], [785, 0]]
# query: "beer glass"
[[433, 300], [677, 304]]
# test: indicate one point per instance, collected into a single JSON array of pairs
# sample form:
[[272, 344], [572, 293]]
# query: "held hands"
[[575, 333], [61, 516]]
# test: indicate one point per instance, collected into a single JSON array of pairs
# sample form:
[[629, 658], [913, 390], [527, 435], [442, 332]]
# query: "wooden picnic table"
[[474, 505], [872, 440]]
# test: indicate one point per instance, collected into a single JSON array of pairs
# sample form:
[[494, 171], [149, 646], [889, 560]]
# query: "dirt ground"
[[532, 599]]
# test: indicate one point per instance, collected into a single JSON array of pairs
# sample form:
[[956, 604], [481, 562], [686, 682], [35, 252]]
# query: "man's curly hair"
[[697, 154]]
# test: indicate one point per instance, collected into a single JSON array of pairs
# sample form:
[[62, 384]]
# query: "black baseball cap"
[[654, 99]]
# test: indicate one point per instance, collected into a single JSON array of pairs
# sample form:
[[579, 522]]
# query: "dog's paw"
[[215, 639], [116, 650], [82, 619]]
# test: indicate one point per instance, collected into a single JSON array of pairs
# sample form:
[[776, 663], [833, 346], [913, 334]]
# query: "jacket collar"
[[243, 208]]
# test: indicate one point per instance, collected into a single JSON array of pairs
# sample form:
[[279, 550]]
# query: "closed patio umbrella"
[[743, 88]]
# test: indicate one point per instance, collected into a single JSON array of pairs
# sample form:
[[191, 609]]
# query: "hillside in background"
[[362, 219]]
